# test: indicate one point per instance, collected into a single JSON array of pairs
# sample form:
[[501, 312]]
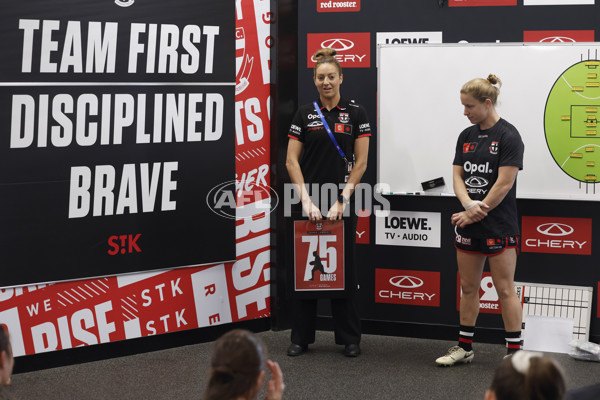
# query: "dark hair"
[[529, 376], [326, 56], [237, 361], [482, 89]]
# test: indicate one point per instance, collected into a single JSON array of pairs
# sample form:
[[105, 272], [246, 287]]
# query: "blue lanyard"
[[337, 146]]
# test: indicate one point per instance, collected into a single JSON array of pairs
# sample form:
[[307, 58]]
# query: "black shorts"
[[486, 246]]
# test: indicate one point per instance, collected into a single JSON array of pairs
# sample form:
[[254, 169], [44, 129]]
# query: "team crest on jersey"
[[494, 148], [469, 147], [344, 118]]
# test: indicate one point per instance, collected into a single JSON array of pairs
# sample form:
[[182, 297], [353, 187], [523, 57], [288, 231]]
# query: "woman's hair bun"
[[324, 52]]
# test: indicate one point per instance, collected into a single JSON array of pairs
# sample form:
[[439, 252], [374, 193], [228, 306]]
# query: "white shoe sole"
[[467, 360]]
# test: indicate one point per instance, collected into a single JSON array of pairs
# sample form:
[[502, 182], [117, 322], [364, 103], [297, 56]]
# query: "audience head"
[[7, 361], [237, 367], [527, 376]]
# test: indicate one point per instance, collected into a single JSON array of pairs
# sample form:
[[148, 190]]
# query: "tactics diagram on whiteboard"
[[571, 122]]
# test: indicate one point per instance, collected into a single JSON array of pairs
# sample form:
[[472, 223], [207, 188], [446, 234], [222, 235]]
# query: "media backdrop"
[[559, 246]]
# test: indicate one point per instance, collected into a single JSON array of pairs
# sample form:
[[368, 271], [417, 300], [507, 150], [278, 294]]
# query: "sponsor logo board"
[[408, 37], [418, 288], [556, 235], [559, 36], [353, 49], [475, 3], [557, 2], [338, 6], [407, 228]]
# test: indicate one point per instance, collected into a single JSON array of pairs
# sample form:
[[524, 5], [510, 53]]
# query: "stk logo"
[[407, 282], [338, 44], [555, 229]]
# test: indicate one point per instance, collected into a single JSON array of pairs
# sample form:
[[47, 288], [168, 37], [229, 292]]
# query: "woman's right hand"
[[477, 212], [275, 386], [312, 211]]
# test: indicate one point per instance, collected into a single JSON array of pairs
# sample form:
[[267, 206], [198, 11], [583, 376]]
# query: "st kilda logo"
[[243, 62]]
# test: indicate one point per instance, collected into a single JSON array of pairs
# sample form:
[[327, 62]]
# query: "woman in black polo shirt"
[[488, 156], [313, 160]]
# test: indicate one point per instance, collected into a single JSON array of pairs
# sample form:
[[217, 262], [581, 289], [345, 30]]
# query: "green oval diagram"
[[571, 121]]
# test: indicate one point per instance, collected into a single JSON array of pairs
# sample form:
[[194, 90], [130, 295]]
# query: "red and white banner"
[[63, 315], [416, 288], [318, 255], [353, 49], [559, 36], [338, 6], [556, 235], [475, 3]]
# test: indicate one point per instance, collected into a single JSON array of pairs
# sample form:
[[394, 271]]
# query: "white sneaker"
[[456, 354]]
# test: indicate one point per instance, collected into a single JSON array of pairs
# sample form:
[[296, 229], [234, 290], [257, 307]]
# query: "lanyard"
[[337, 146]]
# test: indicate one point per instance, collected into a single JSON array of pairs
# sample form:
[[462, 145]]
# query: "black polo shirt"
[[320, 161], [481, 153]]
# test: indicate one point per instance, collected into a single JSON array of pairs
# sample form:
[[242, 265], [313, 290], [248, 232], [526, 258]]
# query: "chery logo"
[[407, 282], [556, 235], [555, 229], [338, 44], [557, 39], [476, 182], [353, 49]]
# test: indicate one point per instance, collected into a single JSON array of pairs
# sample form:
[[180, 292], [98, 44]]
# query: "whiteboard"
[[549, 93]]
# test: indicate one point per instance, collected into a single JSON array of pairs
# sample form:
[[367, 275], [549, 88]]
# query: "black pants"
[[346, 319]]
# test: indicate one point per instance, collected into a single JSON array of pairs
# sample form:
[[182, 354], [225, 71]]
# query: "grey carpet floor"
[[389, 368]]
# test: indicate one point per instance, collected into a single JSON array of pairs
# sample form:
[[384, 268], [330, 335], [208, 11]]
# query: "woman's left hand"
[[336, 211]]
